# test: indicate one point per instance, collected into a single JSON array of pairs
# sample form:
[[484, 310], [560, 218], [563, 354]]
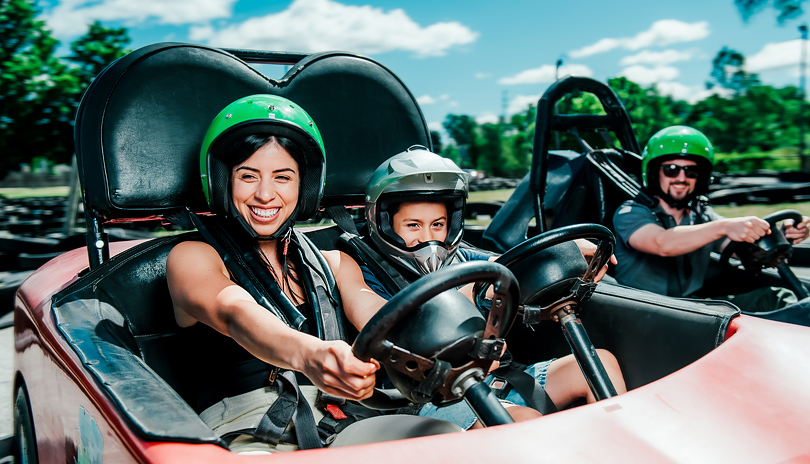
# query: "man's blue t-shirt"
[[678, 276]]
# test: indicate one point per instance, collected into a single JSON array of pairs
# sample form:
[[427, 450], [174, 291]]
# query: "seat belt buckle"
[[335, 411], [274, 370]]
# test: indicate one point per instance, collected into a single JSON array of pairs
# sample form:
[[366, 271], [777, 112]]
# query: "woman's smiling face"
[[265, 188]]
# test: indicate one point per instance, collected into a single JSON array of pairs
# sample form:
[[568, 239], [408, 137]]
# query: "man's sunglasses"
[[672, 170]]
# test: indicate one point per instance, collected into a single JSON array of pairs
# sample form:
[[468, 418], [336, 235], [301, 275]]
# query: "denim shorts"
[[462, 415]]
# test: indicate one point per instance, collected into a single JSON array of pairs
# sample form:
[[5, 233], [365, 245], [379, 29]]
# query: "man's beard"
[[680, 203]]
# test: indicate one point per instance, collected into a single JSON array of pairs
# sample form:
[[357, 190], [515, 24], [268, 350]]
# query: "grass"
[[726, 211], [28, 192], [761, 210], [490, 196]]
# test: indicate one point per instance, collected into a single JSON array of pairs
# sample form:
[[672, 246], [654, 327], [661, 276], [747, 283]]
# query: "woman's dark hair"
[[236, 152], [240, 149]]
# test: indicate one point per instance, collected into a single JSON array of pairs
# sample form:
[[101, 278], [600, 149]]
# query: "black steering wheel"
[[554, 281], [772, 250], [549, 275], [429, 376], [769, 251]]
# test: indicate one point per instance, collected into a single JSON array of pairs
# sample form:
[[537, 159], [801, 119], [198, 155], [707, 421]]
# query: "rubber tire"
[[25, 442]]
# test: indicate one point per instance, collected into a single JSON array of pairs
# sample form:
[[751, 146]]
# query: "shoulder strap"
[[239, 266], [388, 275], [320, 283]]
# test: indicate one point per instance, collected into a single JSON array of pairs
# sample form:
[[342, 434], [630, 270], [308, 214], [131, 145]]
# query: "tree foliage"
[[762, 119], [787, 9], [39, 91], [728, 72]]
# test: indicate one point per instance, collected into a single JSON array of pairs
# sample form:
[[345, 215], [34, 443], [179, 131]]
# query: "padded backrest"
[[140, 125]]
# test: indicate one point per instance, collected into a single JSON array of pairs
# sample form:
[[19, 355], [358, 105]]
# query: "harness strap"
[[389, 276], [342, 219], [322, 287], [290, 406], [528, 387]]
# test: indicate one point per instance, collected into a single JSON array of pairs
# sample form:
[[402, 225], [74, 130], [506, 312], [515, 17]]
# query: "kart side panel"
[[743, 401]]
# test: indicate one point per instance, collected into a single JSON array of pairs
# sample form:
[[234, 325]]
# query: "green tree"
[[463, 129], [39, 92], [489, 154], [728, 72], [97, 49], [34, 87], [649, 111], [762, 119], [788, 9]]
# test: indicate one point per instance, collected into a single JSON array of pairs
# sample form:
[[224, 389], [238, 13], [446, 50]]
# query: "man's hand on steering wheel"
[[798, 232], [588, 248], [746, 229]]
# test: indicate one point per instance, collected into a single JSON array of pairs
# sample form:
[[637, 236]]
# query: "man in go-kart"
[[414, 210], [666, 248]]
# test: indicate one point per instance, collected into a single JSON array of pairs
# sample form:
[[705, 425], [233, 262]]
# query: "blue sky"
[[467, 57]]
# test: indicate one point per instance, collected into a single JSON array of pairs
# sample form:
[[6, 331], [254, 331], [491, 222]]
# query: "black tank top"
[[222, 368]]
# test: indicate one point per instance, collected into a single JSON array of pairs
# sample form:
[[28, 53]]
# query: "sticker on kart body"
[[90, 443]]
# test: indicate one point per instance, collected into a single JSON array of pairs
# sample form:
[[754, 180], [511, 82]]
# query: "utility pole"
[[503, 107], [805, 162]]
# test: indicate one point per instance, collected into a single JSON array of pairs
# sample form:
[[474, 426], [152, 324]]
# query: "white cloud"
[[482, 75], [602, 46], [426, 100], [661, 33], [689, 93], [487, 118], [69, 18], [546, 74], [657, 58], [436, 126], [318, 25], [520, 103], [776, 56], [645, 76]]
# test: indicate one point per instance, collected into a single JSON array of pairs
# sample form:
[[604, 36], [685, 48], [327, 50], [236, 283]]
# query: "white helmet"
[[416, 175]]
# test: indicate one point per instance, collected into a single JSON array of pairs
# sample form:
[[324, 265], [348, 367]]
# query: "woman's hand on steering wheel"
[[334, 369]]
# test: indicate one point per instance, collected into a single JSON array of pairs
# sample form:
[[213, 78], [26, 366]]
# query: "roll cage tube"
[[616, 120]]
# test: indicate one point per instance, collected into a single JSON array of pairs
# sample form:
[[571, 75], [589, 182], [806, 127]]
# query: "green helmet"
[[261, 115], [677, 142]]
